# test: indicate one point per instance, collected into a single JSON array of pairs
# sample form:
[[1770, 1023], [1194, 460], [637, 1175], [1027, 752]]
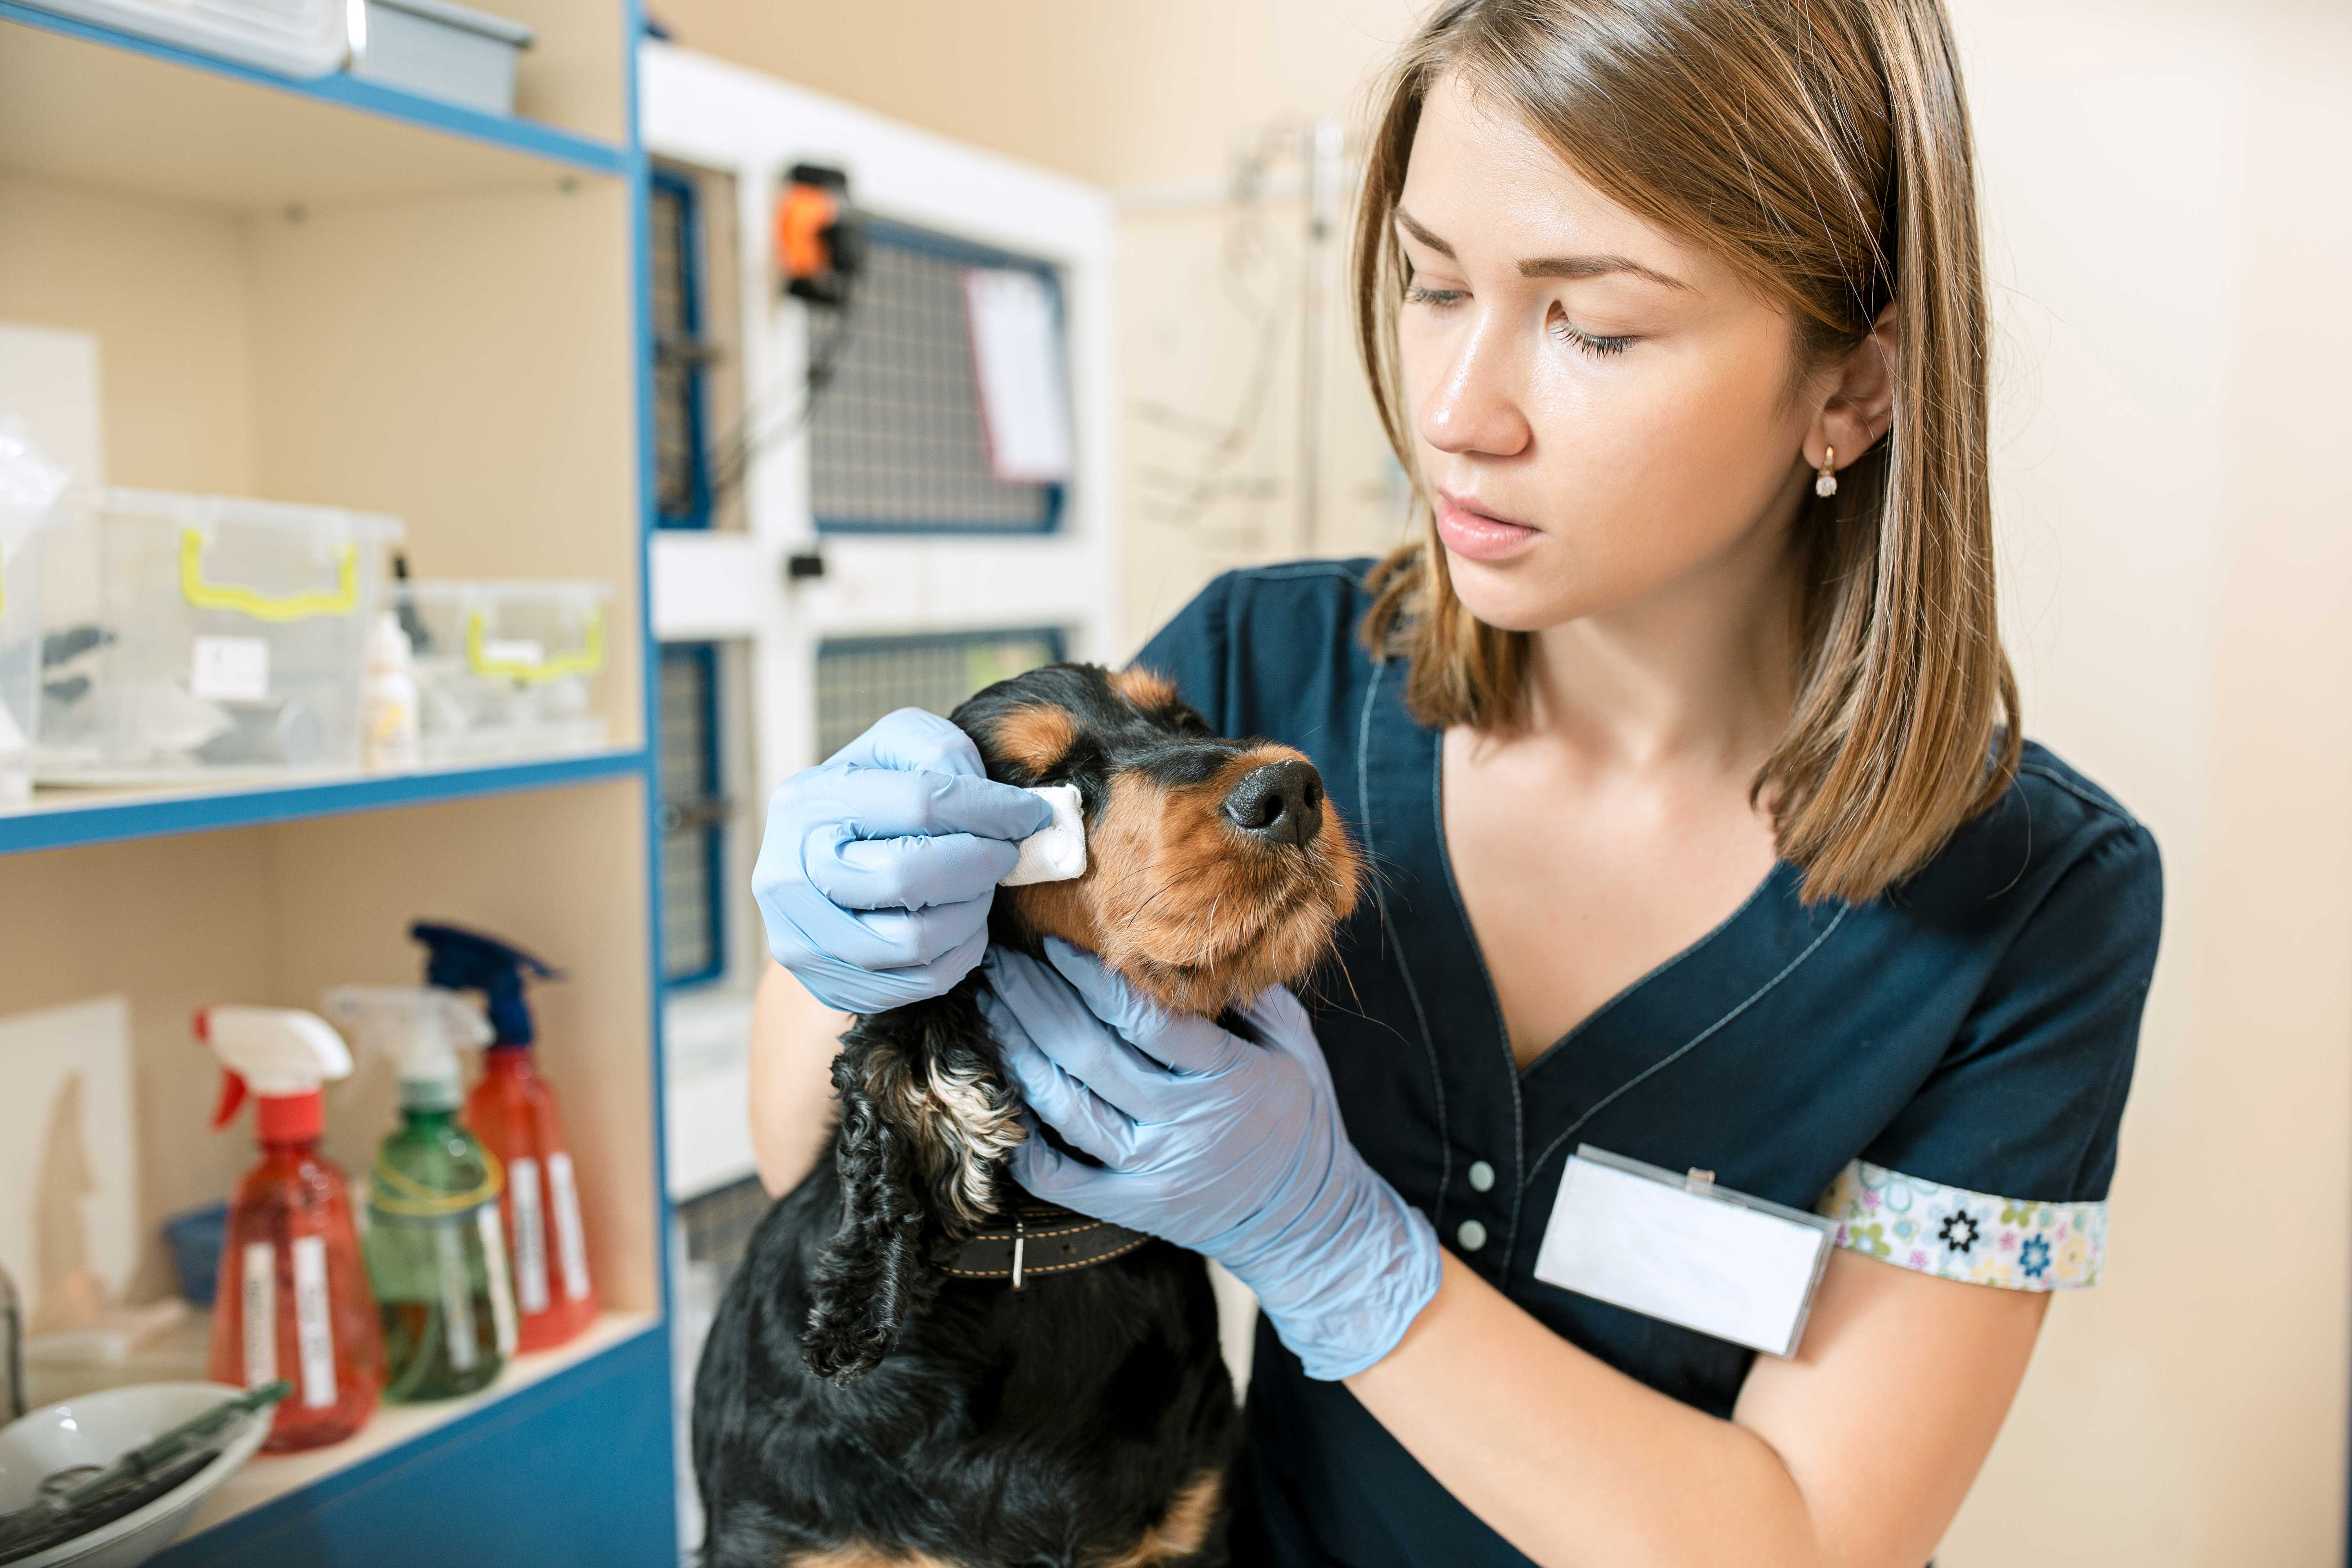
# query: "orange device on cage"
[[816, 237]]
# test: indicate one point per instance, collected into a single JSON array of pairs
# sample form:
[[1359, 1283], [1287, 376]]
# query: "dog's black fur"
[[854, 1405]]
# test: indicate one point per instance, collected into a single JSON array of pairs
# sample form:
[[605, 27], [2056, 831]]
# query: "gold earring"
[[1825, 481]]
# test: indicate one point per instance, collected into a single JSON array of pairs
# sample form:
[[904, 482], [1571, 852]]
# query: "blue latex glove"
[[1228, 1146], [877, 869]]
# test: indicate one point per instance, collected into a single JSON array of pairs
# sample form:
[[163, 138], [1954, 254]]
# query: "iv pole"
[[1324, 146]]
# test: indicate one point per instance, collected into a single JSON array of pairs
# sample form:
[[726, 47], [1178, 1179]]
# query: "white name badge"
[[1685, 1250]]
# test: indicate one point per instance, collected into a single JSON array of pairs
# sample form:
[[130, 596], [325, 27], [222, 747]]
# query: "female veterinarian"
[[1685, 751]]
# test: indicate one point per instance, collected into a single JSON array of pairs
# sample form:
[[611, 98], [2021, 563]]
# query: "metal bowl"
[[98, 1428]]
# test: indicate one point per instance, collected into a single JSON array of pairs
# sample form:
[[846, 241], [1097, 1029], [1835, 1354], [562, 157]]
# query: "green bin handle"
[[263, 606]]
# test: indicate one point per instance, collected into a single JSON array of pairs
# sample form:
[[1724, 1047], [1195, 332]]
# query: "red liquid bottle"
[[293, 1299], [513, 1111]]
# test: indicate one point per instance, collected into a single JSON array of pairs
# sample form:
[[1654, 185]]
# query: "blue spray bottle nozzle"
[[461, 959]]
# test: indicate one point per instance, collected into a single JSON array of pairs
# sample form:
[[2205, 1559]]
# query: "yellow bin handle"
[[587, 661], [263, 606]]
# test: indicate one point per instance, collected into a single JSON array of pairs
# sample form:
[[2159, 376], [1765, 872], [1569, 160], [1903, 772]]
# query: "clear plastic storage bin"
[[193, 637], [293, 37], [506, 669], [32, 502], [21, 536]]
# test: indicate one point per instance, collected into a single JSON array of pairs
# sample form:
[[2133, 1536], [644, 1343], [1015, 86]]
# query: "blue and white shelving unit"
[[331, 292]]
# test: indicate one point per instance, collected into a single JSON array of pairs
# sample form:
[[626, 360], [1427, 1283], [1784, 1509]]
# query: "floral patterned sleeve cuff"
[[2018, 1244]]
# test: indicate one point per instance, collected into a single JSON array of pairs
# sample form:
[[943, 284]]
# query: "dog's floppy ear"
[[927, 1120], [875, 1271]]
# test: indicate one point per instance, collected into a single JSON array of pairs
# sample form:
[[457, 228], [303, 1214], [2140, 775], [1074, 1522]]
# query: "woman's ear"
[[1861, 404]]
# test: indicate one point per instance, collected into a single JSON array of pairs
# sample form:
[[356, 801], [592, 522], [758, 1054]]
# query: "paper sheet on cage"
[[1016, 355]]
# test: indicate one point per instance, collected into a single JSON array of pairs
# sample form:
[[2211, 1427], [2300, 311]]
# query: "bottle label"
[[314, 1325], [571, 1242], [391, 739], [457, 1298], [494, 1258], [530, 1235], [259, 1297]]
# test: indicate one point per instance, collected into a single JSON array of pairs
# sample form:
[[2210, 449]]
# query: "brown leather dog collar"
[[1039, 1238]]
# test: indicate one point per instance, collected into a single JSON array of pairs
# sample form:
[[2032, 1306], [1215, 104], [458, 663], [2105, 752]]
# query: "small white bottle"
[[388, 704]]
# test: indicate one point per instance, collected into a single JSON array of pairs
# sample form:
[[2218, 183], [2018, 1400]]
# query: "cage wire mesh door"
[[897, 441], [693, 816], [898, 445], [682, 481], [859, 679]]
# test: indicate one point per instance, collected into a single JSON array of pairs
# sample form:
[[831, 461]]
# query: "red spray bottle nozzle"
[[232, 1095], [279, 1055], [233, 1087]]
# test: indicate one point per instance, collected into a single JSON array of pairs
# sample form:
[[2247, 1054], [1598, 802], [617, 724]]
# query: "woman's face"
[[1598, 410]]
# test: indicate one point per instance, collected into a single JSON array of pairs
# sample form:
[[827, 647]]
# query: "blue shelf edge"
[[114, 821], [529, 1478], [511, 132]]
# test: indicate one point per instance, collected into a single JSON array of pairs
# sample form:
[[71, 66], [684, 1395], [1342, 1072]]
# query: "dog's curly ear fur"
[[875, 1271], [927, 1120]]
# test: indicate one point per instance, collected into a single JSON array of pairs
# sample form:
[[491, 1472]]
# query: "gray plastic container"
[[440, 50]]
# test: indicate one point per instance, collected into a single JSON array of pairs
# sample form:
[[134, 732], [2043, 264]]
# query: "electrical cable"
[[1244, 245], [732, 454]]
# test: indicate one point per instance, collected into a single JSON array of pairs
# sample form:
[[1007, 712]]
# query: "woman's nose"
[[1474, 406]]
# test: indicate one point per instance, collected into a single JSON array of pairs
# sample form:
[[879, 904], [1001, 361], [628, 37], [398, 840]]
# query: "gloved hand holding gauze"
[[1057, 852], [878, 867]]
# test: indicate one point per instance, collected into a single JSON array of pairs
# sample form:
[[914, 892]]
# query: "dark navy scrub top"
[[1940, 1069]]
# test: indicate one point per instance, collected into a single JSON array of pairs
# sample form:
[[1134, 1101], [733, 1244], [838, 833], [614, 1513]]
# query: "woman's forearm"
[[1571, 1461], [1853, 1454], [794, 1038]]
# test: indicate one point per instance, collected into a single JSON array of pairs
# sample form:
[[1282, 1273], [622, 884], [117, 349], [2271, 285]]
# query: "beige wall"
[[165, 288], [2173, 503], [1120, 92], [2163, 187]]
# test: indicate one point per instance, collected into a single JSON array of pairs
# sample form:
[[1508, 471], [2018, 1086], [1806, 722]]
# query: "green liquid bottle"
[[436, 1255]]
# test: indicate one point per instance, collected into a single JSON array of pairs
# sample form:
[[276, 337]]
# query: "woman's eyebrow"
[[1548, 265], [1593, 267], [1412, 226]]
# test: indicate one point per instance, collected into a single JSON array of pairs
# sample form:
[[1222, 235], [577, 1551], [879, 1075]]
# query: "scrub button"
[[1472, 1235], [1482, 1176]]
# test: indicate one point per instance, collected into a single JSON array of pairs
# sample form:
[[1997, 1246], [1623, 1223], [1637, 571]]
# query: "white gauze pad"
[[1057, 851]]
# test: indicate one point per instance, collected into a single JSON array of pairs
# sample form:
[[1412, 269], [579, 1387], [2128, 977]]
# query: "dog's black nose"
[[1281, 803]]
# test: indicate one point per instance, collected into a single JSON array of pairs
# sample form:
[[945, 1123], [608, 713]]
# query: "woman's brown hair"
[[1822, 147]]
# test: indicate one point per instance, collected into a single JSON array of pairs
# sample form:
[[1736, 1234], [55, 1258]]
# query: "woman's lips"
[[1473, 534]]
